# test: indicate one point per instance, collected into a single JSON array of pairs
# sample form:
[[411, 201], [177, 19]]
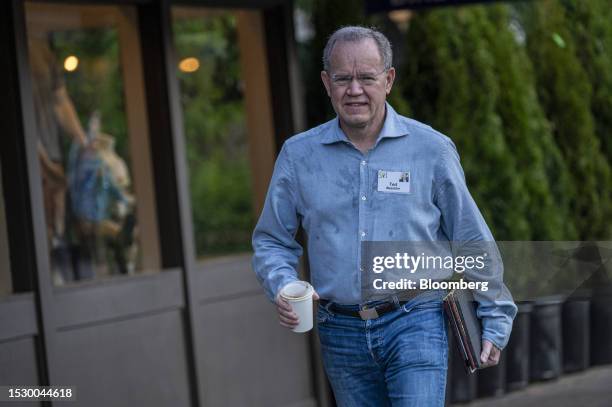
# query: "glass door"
[[92, 141]]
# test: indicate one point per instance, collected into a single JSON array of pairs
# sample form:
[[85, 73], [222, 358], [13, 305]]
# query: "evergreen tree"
[[547, 180], [565, 94], [592, 32], [452, 85]]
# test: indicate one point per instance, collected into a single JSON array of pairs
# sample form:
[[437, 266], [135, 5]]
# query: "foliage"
[[215, 132], [589, 23], [565, 93], [546, 177], [452, 85]]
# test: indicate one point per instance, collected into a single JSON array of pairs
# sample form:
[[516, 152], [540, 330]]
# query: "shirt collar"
[[393, 127]]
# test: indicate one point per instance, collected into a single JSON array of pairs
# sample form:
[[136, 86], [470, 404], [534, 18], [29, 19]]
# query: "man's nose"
[[355, 87]]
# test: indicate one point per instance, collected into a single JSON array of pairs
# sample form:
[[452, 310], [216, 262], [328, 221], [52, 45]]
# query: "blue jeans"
[[399, 359]]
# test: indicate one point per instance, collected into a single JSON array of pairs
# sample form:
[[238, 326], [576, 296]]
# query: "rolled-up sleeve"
[[276, 252], [465, 226]]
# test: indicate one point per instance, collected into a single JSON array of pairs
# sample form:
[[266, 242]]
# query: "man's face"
[[357, 83]]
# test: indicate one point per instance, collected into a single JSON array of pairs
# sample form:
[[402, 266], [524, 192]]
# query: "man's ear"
[[389, 79], [326, 82]]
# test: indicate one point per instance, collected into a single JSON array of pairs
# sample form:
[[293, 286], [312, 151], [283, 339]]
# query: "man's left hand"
[[490, 354]]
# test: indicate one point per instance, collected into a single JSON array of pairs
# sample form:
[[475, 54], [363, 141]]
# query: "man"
[[326, 179]]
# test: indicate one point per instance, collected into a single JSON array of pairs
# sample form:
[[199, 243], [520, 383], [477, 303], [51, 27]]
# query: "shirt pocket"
[[392, 181], [398, 204]]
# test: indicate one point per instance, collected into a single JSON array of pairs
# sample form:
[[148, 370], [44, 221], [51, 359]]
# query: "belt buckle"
[[368, 313]]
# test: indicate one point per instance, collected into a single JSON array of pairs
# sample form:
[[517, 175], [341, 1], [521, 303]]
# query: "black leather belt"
[[365, 312]]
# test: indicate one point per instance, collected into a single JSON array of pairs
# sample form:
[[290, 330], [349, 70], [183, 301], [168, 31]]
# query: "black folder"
[[460, 308]]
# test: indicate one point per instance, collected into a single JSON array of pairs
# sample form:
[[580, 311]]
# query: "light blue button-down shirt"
[[324, 183]]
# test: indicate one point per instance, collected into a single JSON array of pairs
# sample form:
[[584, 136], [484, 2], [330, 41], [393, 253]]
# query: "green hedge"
[[565, 93]]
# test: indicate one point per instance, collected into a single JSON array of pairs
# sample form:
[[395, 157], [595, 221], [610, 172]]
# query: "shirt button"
[[363, 198], [363, 234], [363, 162]]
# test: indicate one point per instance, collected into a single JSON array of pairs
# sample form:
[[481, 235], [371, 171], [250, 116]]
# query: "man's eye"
[[342, 79], [367, 79]]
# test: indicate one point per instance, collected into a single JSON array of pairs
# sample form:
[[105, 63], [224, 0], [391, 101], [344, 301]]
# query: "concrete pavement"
[[591, 388]]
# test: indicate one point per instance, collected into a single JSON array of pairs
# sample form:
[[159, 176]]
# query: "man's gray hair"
[[354, 33]]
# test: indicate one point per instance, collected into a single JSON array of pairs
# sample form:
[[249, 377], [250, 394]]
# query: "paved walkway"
[[591, 388]]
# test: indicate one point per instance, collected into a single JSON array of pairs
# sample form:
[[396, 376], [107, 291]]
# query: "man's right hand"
[[286, 316]]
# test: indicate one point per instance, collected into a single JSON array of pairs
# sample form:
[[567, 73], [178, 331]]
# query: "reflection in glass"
[[214, 118], [6, 286], [83, 146]]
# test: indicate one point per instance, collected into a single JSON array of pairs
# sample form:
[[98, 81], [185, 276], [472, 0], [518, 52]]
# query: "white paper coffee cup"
[[299, 295]]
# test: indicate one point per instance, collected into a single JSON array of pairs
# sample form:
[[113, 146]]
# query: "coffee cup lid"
[[297, 290]]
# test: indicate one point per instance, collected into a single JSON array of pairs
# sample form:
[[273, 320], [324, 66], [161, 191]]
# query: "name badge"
[[397, 182]]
